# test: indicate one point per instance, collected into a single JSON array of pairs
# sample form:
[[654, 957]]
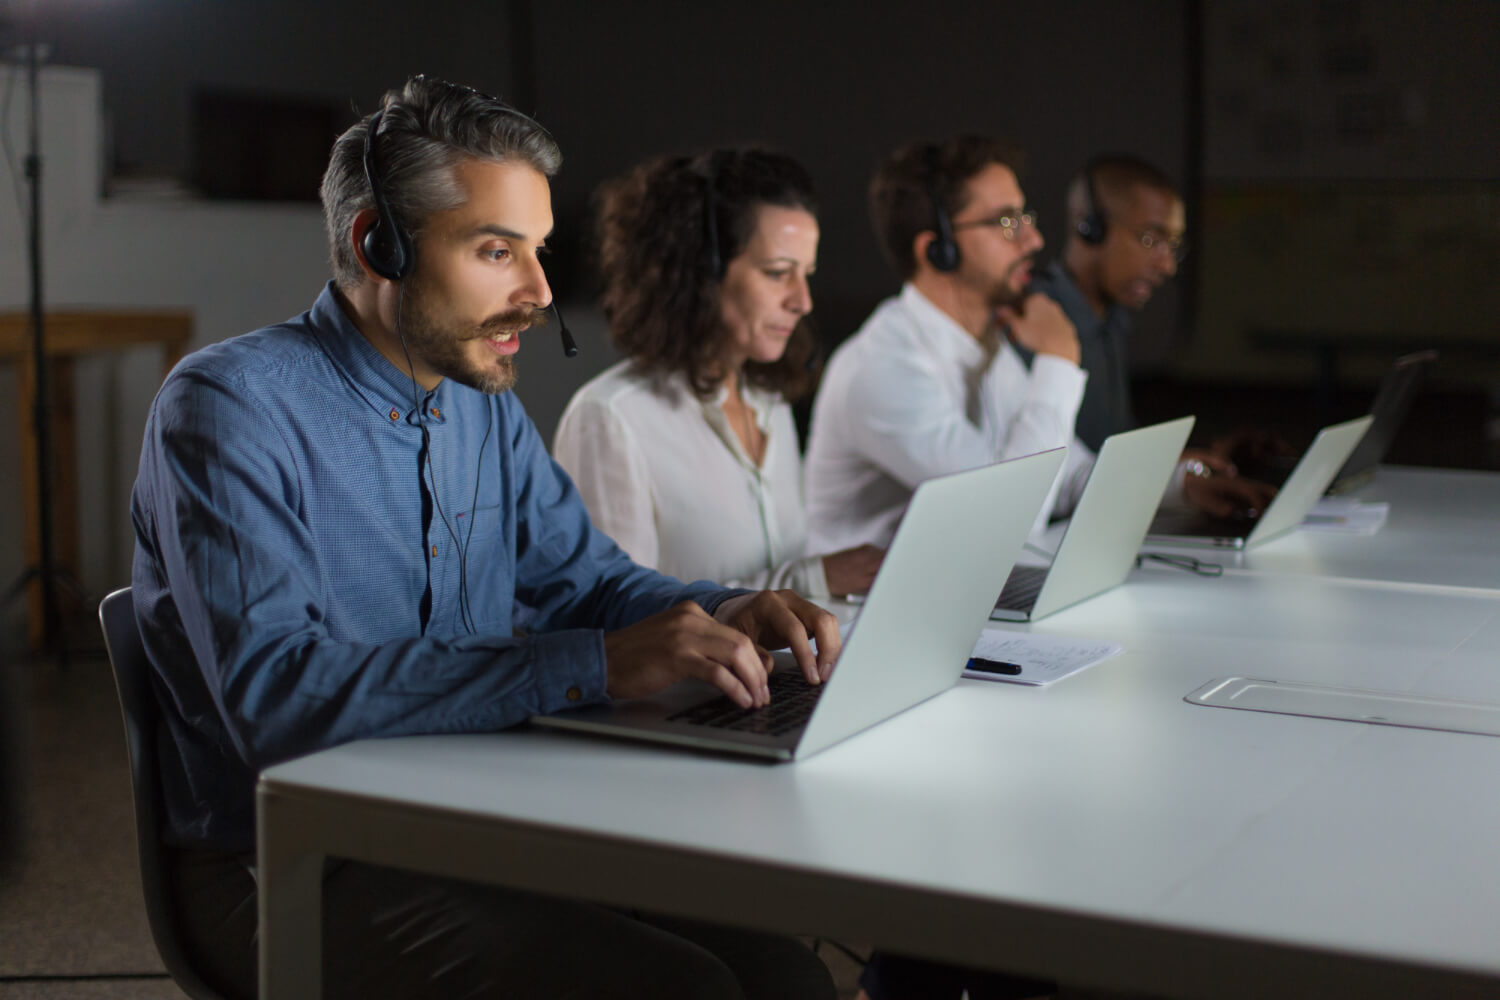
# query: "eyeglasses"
[[1153, 242], [1010, 226]]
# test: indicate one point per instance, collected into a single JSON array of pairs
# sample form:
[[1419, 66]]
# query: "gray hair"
[[426, 129]]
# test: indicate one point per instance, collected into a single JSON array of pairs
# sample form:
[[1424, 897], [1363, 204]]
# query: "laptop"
[[1315, 470], [1392, 401], [1100, 542], [955, 546]]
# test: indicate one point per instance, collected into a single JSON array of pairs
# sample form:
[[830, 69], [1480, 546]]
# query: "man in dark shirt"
[[1125, 238], [337, 520]]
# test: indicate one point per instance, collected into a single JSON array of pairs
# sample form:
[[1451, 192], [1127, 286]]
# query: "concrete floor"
[[72, 923]]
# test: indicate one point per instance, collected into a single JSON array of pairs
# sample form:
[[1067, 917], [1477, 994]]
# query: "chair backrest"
[[127, 658]]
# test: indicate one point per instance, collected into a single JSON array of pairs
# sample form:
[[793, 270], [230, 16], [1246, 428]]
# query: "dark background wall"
[[839, 84], [835, 84], [1290, 95]]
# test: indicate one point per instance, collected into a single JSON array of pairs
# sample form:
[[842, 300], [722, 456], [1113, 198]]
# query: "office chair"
[[127, 659]]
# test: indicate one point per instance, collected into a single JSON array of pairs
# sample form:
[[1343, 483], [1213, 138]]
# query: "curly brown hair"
[[665, 232]]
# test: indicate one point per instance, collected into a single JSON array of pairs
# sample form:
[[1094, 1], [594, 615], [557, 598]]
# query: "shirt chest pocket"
[[477, 575]]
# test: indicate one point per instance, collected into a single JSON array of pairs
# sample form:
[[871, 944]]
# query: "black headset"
[[388, 247], [942, 253], [1093, 227]]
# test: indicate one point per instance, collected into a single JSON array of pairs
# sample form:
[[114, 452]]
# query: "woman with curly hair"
[[685, 453]]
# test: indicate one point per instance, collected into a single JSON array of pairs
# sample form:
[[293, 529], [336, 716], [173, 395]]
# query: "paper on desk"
[[1343, 516], [1043, 658]]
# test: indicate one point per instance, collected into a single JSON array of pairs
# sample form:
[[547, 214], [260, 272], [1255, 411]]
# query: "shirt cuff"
[[710, 602], [811, 577], [569, 670]]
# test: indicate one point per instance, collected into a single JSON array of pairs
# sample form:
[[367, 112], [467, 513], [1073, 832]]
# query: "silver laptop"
[[1314, 471], [1099, 545], [1393, 399], [956, 544]]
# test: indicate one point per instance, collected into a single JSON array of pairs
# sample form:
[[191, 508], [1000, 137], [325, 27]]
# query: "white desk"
[[1443, 530], [1101, 829]]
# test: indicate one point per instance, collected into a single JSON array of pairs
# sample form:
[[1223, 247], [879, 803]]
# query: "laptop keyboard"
[[1021, 588], [792, 701]]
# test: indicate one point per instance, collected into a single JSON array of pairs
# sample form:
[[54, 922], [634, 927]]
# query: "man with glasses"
[[1125, 239], [932, 382]]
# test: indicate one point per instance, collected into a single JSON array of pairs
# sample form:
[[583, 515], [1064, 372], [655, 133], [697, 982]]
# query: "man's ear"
[[919, 245]]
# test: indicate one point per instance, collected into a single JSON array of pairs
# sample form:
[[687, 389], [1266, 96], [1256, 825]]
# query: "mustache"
[[511, 320]]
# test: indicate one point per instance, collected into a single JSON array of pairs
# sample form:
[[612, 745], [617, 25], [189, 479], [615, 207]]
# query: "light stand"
[[45, 573]]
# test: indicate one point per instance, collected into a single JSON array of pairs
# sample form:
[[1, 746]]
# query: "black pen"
[[993, 666]]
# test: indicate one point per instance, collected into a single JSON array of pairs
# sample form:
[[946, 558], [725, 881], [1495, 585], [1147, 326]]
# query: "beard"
[[1001, 291], [444, 348]]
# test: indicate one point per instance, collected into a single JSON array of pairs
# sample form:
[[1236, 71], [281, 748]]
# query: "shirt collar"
[[940, 330], [760, 401], [381, 384]]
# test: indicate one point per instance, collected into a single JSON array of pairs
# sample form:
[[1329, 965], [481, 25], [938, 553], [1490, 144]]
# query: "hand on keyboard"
[[1218, 489], [680, 642], [778, 619]]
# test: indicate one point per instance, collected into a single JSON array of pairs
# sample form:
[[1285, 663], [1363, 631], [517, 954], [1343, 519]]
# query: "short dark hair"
[[1114, 176], [661, 289], [427, 127], [907, 181]]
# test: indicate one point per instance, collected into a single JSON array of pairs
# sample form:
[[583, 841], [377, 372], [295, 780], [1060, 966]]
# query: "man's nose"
[[533, 290]]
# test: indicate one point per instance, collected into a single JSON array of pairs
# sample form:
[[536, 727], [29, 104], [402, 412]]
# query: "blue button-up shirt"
[[299, 551]]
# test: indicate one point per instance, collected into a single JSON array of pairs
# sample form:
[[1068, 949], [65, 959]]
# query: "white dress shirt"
[[663, 474], [912, 395]]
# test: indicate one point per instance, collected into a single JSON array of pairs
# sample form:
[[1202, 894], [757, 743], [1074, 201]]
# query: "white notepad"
[[1043, 659]]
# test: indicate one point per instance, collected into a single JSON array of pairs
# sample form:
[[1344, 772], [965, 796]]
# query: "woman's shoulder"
[[625, 390], [608, 388]]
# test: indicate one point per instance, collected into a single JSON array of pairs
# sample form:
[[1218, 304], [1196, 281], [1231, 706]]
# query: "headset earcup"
[[1091, 229], [942, 254], [389, 257]]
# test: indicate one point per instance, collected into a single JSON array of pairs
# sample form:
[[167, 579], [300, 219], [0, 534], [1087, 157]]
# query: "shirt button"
[[574, 694], [437, 412], [395, 415], [434, 550]]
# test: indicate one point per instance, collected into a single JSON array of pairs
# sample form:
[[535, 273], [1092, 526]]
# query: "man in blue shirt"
[[339, 520]]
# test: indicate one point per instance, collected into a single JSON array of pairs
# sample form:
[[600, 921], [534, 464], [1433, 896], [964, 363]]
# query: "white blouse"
[[664, 475]]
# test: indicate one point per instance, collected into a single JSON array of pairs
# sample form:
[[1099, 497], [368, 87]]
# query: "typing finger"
[[787, 626], [734, 652], [822, 627], [825, 629], [725, 680]]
